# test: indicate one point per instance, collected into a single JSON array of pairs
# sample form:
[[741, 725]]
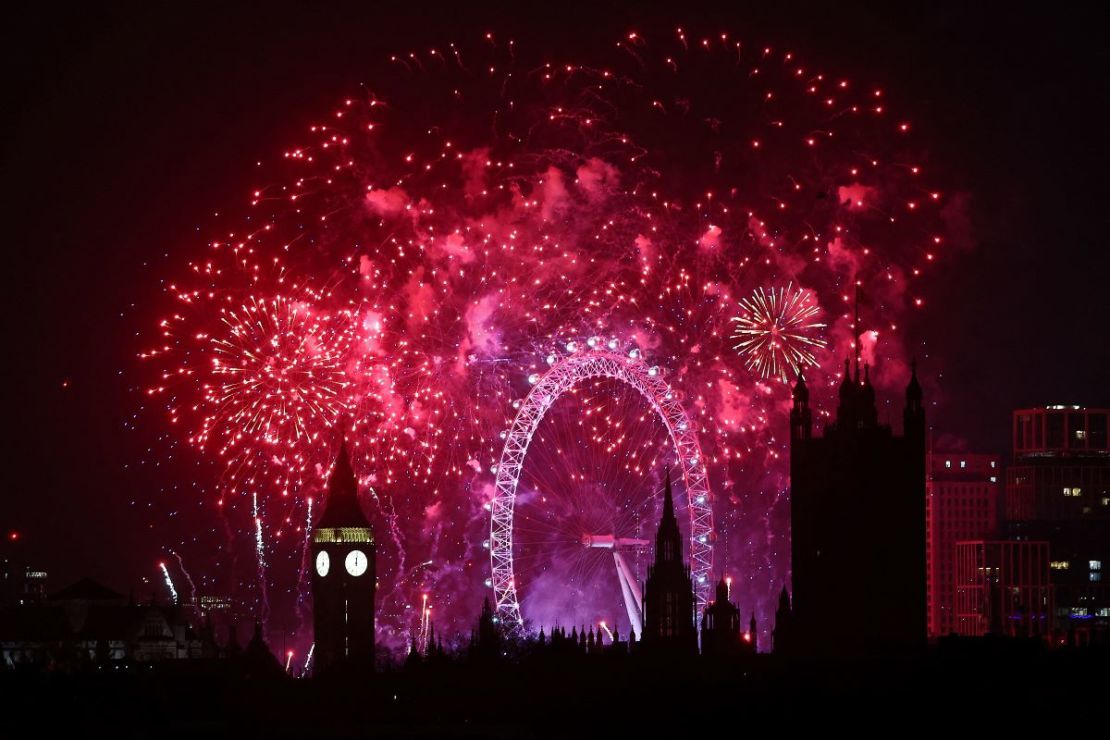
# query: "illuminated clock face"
[[323, 563], [356, 562]]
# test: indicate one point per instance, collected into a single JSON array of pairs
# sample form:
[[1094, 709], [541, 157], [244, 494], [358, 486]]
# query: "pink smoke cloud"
[[553, 193], [645, 249], [475, 168], [857, 196], [420, 300], [480, 338], [387, 202], [455, 246], [842, 258], [597, 178], [711, 239]]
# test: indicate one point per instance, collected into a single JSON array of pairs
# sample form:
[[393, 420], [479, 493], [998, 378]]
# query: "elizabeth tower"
[[343, 580]]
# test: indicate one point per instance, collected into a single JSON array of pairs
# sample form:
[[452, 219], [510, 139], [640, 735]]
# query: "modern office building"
[[1003, 588], [1058, 491]]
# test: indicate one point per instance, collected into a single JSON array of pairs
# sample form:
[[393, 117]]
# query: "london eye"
[[579, 485]]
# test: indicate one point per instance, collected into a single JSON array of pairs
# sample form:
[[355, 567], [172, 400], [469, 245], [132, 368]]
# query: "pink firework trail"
[[434, 239]]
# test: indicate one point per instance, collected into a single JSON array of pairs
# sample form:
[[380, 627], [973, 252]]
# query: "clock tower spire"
[[343, 580]]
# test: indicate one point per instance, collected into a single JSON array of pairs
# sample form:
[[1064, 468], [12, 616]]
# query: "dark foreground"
[[989, 687]]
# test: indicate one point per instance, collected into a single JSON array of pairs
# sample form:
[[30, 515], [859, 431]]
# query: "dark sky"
[[126, 128]]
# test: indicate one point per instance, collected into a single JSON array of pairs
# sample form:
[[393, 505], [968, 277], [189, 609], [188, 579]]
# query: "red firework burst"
[[277, 374]]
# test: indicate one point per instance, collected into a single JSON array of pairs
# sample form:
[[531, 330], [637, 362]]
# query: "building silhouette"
[[343, 576], [87, 624], [722, 634], [1058, 491], [668, 601], [20, 583], [962, 493], [858, 524], [782, 634], [486, 638]]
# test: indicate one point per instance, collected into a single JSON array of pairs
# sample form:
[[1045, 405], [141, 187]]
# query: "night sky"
[[126, 129]]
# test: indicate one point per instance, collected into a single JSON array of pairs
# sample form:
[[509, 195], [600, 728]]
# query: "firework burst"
[[778, 332], [277, 373], [471, 214]]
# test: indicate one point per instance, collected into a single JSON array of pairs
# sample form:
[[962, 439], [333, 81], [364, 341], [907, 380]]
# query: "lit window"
[[1073, 492], [963, 463], [1080, 434], [994, 479], [1096, 565], [1059, 565], [1079, 611], [1106, 500], [994, 464], [1096, 577], [947, 463]]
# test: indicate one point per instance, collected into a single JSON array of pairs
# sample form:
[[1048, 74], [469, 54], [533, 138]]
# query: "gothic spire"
[[913, 389], [668, 541], [847, 413], [722, 591], [341, 507], [846, 384], [801, 392], [668, 500]]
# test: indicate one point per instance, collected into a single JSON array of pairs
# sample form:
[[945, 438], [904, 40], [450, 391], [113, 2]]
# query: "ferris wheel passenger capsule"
[[572, 346], [634, 354], [613, 343], [534, 378]]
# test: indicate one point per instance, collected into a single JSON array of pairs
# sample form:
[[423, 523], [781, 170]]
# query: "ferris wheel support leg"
[[631, 592]]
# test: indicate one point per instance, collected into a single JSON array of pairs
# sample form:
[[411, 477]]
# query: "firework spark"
[[169, 582]]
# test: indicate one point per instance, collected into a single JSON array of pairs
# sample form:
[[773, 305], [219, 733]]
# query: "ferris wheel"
[[598, 360]]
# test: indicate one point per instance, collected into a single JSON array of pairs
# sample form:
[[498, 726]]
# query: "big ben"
[[343, 575]]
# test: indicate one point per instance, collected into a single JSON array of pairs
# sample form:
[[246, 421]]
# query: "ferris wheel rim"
[[563, 375]]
